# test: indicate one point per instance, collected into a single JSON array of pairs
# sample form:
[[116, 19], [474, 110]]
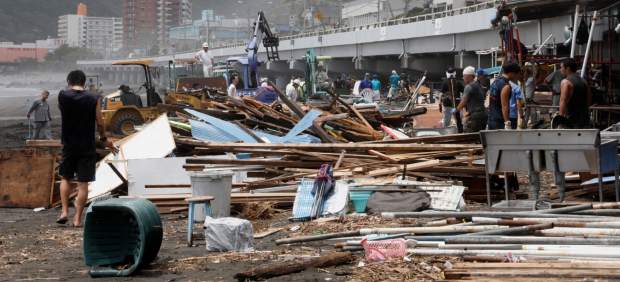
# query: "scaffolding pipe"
[[572, 231], [574, 34], [495, 214], [568, 209], [494, 239], [515, 230], [429, 230], [589, 45], [555, 222], [559, 253], [317, 237]]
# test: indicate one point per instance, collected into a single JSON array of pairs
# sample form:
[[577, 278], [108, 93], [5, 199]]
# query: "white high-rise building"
[[103, 35]]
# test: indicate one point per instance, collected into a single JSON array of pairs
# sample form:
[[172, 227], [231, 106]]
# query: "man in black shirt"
[[80, 111], [451, 90], [575, 96]]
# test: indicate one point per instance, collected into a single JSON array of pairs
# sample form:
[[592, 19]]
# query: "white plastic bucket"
[[215, 183]]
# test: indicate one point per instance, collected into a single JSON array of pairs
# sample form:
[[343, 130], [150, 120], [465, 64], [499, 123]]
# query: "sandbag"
[[414, 199]]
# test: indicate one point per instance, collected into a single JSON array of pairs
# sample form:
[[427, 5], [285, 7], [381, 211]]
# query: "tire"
[[125, 121]]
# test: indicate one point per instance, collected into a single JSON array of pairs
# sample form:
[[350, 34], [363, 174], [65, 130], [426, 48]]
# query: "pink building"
[[13, 53]]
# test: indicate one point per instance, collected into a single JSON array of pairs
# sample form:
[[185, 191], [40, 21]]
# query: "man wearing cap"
[[482, 80], [451, 90], [205, 57], [473, 102]]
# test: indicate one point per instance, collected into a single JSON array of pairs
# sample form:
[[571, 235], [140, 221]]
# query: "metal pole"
[[494, 239], [585, 58], [515, 230], [469, 214], [567, 209], [575, 27], [616, 185]]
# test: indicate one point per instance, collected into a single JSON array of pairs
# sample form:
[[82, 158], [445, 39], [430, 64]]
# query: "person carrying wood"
[[473, 102], [451, 90], [80, 110]]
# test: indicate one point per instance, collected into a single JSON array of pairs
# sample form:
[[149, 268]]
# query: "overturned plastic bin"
[[120, 236]]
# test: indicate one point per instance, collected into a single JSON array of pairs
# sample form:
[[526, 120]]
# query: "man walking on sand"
[[42, 117], [80, 111]]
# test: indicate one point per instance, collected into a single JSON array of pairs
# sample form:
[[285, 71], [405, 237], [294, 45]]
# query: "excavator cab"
[[121, 118]]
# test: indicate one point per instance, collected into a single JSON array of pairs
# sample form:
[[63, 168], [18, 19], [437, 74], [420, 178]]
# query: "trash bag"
[[582, 32], [229, 234], [411, 200]]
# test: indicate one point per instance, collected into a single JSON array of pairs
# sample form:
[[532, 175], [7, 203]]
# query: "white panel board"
[[155, 140], [160, 171]]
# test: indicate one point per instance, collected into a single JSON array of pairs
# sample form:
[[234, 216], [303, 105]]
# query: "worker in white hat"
[[473, 102], [205, 57]]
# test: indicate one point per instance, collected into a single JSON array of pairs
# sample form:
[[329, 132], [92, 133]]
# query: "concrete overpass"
[[429, 42]]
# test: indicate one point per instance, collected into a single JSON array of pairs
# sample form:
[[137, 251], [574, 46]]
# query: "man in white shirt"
[[205, 57], [292, 89], [232, 88]]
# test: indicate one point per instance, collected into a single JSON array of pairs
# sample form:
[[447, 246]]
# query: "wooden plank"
[[44, 143], [25, 178], [382, 156], [264, 162], [335, 147], [267, 232]]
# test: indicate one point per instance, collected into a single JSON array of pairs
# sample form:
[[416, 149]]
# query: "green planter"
[[120, 236]]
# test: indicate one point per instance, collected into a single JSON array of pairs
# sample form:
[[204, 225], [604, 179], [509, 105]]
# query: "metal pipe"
[[429, 230], [575, 27], [585, 58], [609, 241], [494, 214], [556, 223], [515, 230], [572, 231], [317, 237], [568, 209], [559, 253]]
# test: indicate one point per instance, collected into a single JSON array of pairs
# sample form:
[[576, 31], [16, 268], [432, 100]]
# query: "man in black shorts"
[[80, 111]]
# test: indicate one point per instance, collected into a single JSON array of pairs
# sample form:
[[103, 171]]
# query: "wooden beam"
[[334, 147]]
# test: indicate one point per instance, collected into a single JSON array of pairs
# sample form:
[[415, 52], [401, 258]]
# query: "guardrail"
[[418, 18]]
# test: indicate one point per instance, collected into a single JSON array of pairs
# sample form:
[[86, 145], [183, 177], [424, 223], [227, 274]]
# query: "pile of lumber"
[[287, 163]]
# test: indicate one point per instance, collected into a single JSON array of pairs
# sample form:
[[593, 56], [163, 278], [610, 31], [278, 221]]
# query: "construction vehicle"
[[247, 67], [187, 89], [121, 119]]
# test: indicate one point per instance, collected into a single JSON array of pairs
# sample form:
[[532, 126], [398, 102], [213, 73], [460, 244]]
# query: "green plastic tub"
[[359, 199], [120, 236]]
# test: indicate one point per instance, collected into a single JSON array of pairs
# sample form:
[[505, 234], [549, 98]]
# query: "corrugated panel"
[[228, 127], [207, 132], [303, 124]]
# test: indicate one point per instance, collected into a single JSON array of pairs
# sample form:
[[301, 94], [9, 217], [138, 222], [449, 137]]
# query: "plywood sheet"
[[26, 178]]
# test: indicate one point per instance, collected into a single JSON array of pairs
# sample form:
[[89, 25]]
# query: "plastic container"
[[381, 250], [120, 236], [359, 199], [214, 183]]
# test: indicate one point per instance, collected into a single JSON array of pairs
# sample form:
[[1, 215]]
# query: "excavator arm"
[[262, 33]]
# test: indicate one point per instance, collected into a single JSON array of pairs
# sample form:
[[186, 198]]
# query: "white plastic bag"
[[229, 234]]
